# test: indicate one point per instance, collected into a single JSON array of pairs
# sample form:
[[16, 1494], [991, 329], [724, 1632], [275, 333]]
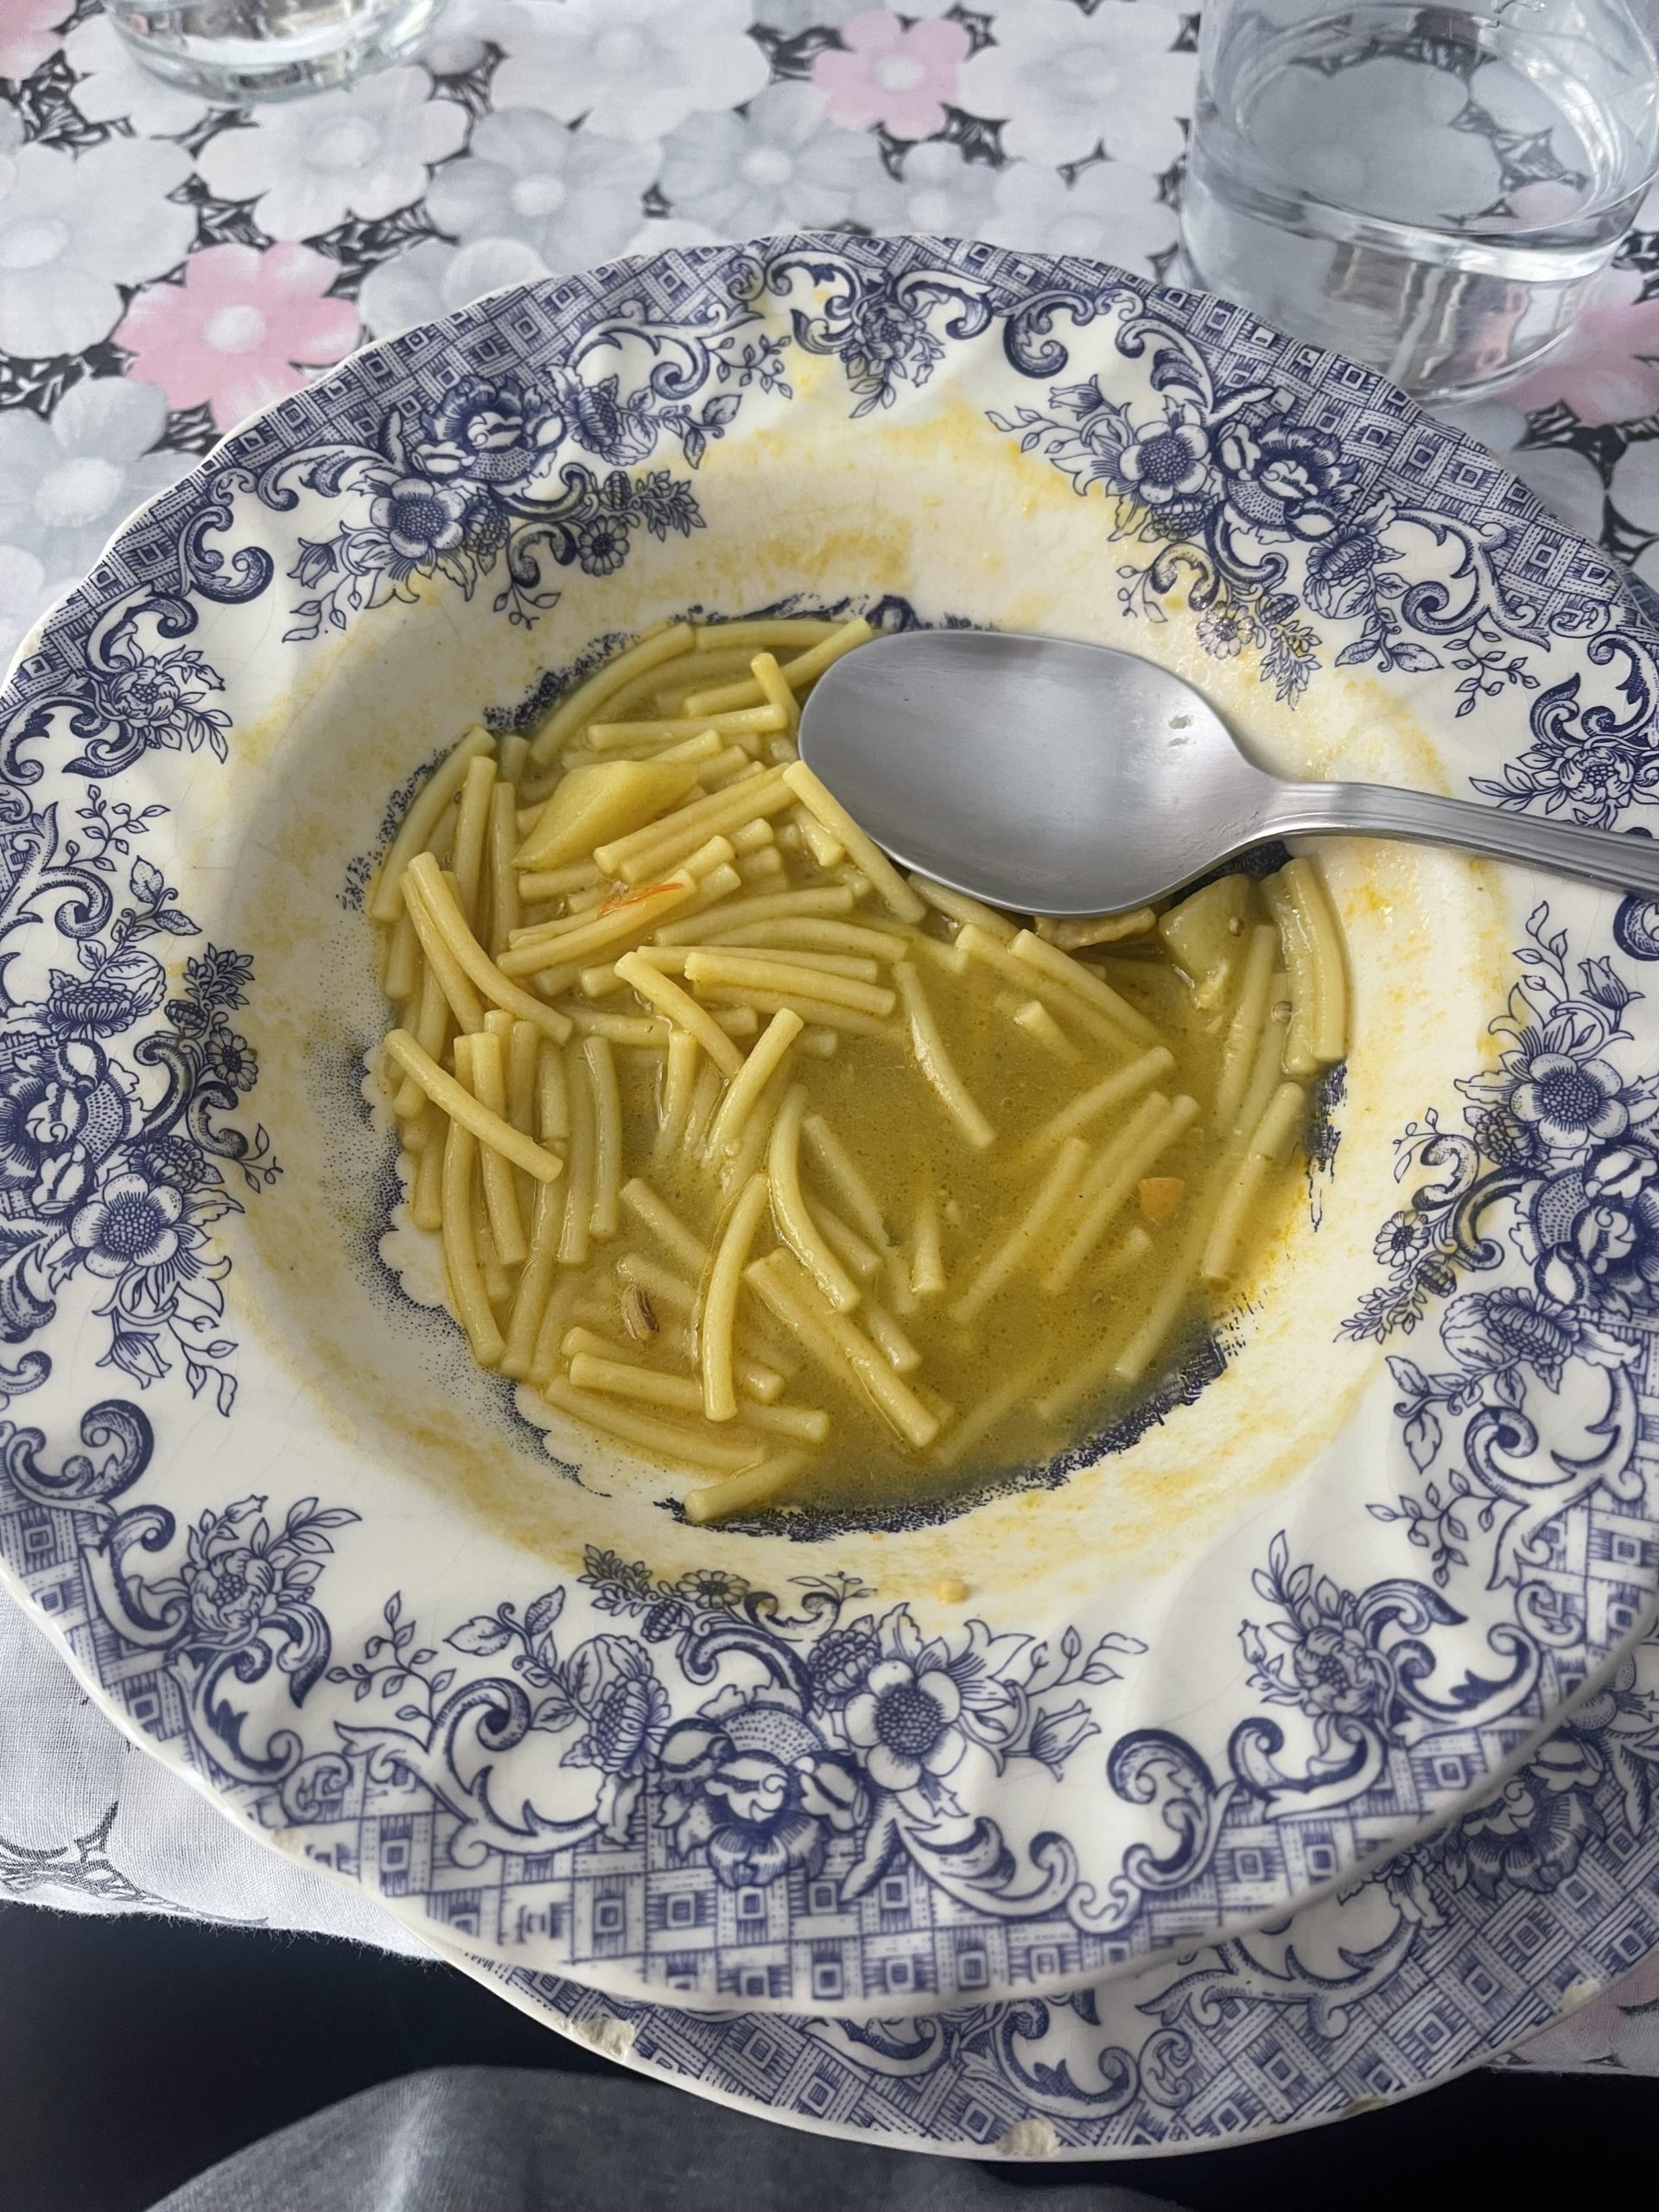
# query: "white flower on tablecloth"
[[72, 227], [663, 233], [25, 595], [633, 68], [1620, 2024], [1379, 136], [457, 42], [940, 193], [112, 86], [312, 164], [1112, 212], [1062, 83], [782, 167], [574, 197], [67, 484], [433, 279]]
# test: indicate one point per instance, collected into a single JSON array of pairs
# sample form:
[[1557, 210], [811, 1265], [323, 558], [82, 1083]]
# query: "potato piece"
[[591, 805], [1206, 937]]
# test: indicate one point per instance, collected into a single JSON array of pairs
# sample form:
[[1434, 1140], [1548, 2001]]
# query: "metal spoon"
[[1058, 778]]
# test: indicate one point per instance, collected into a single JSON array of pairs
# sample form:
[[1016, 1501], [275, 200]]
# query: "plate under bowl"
[[1352, 1561]]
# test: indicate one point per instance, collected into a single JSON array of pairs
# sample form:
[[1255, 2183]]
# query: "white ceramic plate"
[[1511, 1919], [1318, 1596]]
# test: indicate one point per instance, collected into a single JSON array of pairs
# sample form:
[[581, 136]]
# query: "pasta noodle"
[[936, 1063], [1034, 1018], [420, 821], [713, 1111], [718, 1501], [471, 828], [576, 1234], [890, 886], [607, 1136], [793, 1217], [487, 1080], [580, 708], [927, 1258], [461, 1247], [758, 972], [455, 1100], [437, 902], [1299, 1058], [1329, 1026], [1249, 1020], [715, 1332]]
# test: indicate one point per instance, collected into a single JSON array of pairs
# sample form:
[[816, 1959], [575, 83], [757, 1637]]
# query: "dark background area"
[[134, 2053]]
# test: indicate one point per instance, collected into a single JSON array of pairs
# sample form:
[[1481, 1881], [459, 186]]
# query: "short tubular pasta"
[[1328, 1040], [488, 1082], [420, 821], [715, 1333], [455, 1100], [600, 1064], [584, 704], [492, 982], [936, 1063], [813, 1184], [1249, 1019], [460, 1262], [794, 1216], [662, 992]]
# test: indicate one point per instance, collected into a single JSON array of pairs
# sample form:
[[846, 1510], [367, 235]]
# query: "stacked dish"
[[988, 1797]]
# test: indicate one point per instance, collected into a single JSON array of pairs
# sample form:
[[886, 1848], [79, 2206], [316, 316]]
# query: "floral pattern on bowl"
[[1297, 1614], [1506, 1926]]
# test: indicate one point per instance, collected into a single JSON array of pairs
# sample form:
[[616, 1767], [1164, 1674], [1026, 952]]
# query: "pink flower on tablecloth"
[[241, 330], [28, 34], [886, 74], [1608, 370]]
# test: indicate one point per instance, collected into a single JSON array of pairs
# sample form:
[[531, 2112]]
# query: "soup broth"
[[830, 1185]]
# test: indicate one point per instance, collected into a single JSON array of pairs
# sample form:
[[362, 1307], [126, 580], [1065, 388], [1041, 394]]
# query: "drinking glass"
[[1431, 190], [234, 51]]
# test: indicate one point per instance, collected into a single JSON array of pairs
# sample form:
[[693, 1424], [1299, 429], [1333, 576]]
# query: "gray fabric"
[[470, 2139]]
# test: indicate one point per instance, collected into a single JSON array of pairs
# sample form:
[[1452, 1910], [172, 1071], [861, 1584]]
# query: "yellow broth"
[[905, 1145], [1043, 1365]]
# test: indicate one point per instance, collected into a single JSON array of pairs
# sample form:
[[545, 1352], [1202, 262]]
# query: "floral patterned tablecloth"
[[166, 268]]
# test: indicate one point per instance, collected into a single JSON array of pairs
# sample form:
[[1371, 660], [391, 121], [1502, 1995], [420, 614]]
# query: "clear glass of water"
[[232, 52], [1431, 190]]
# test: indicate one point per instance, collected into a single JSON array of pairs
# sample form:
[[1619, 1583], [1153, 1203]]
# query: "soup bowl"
[[1330, 1580]]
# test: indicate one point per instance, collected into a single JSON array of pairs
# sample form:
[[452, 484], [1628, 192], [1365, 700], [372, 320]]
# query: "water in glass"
[[1428, 189], [234, 51]]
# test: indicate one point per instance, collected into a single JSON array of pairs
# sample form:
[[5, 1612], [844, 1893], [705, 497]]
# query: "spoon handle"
[[1379, 810]]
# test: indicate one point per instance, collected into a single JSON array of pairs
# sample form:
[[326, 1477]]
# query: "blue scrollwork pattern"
[[1557, 1162], [819, 1757]]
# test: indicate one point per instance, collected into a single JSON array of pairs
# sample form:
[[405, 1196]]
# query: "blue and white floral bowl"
[[1318, 1596]]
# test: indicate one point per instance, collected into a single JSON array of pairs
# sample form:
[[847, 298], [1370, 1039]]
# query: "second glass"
[[1429, 190]]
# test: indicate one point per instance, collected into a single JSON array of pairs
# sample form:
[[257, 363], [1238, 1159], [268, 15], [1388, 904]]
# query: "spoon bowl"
[[1062, 778]]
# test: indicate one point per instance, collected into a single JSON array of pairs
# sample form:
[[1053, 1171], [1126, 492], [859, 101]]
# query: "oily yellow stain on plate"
[[932, 503]]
